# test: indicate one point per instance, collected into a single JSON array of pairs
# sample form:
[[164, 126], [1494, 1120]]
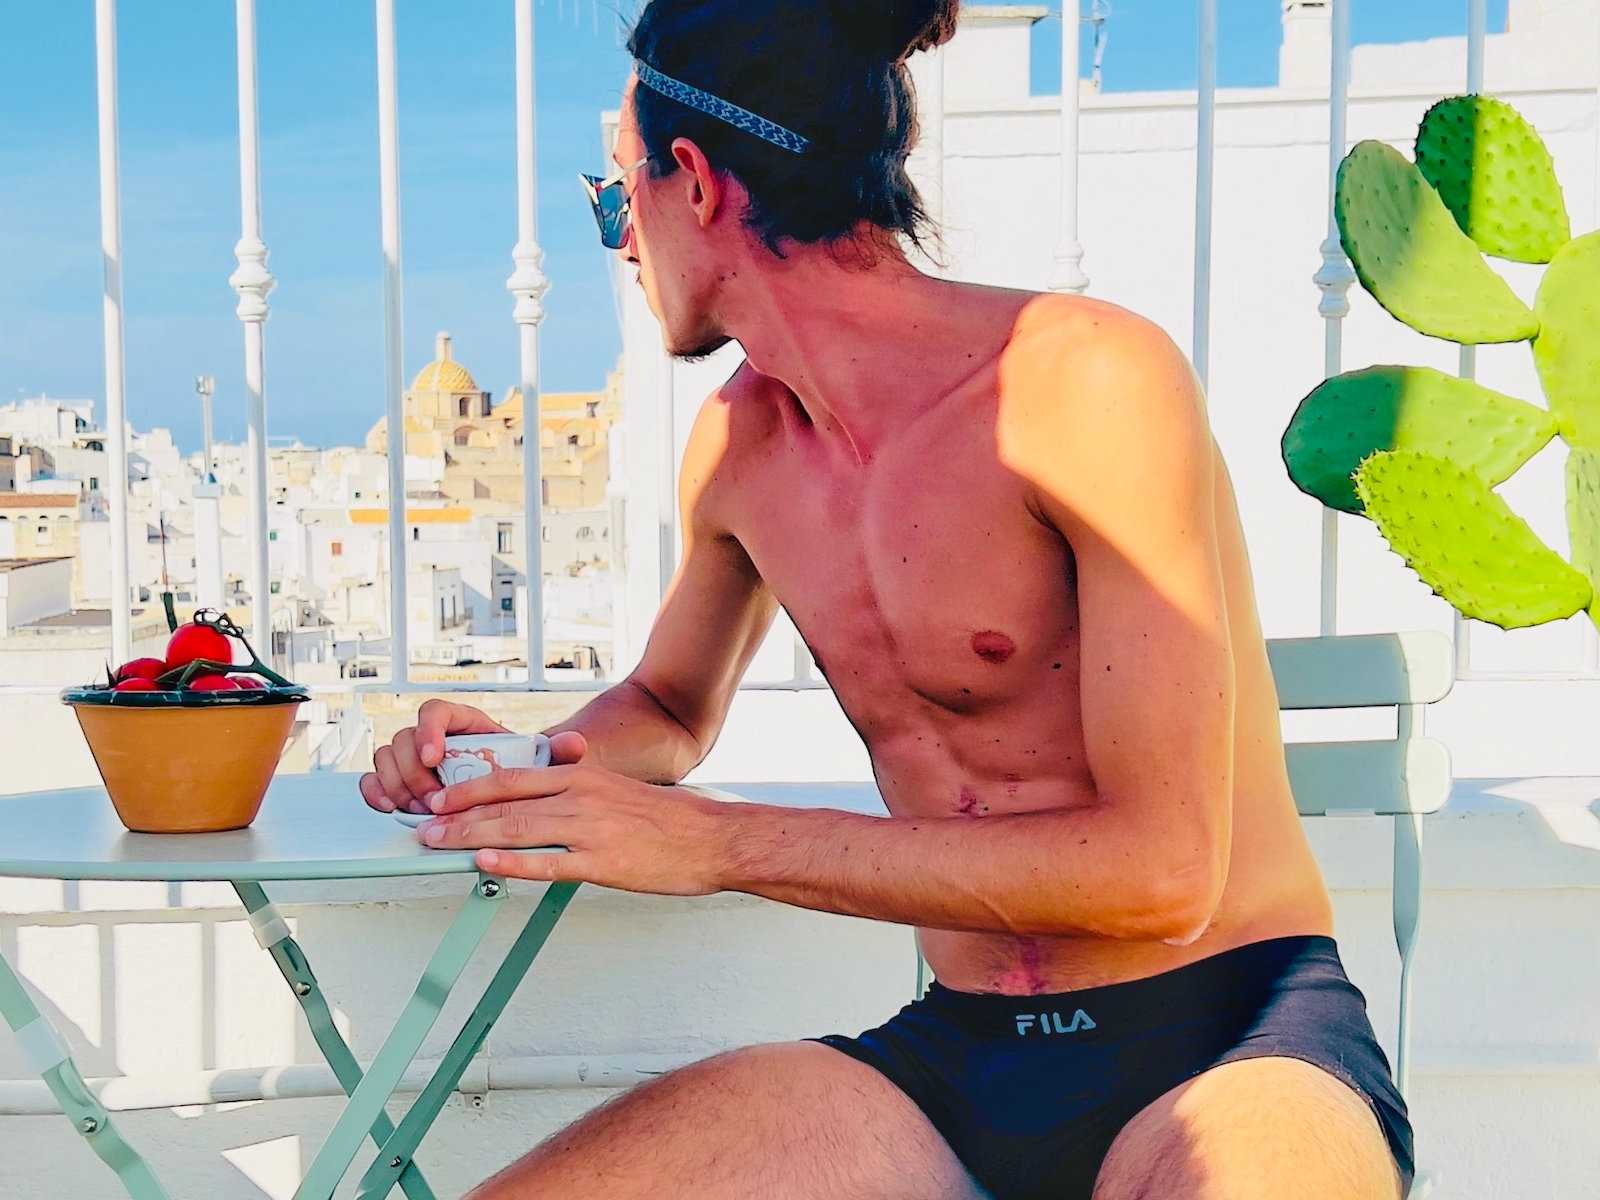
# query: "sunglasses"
[[613, 207]]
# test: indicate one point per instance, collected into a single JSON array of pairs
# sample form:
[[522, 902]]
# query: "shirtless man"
[[1000, 521]]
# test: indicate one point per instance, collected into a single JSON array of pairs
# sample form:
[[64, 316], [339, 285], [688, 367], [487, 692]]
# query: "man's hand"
[[402, 776], [619, 832]]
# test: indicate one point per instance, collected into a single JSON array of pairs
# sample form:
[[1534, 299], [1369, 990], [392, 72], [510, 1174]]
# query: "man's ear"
[[702, 183]]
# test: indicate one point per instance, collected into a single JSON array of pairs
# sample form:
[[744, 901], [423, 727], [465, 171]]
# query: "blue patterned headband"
[[722, 110]]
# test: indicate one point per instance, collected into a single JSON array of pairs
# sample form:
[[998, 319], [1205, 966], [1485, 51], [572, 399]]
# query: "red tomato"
[[140, 668], [193, 642], [248, 683], [213, 683], [137, 683]]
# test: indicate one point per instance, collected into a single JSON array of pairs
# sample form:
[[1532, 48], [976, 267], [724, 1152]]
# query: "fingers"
[[567, 747], [394, 787], [513, 783], [517, 828], [372, 792], [419, 780], [546, 867], [437, 719]]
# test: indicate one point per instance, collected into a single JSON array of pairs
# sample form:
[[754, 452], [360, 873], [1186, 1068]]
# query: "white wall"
[[30, 593]]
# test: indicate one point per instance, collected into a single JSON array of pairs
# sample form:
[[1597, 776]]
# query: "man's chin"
[[697, 352]]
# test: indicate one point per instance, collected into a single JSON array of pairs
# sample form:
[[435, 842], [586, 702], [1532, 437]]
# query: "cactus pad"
[[1583, 518], [1568, 348], [1493, 173], [1410, 255], [1466, 544], [1407, 408]]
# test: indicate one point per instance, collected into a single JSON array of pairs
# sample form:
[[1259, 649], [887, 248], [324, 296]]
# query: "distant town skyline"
[[320, 205]]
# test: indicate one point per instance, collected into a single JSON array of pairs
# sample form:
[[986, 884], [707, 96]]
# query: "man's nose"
[[629, 254]]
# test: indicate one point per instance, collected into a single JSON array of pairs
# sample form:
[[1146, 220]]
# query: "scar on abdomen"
[[1013, 782], [993, 646], [967, 802]]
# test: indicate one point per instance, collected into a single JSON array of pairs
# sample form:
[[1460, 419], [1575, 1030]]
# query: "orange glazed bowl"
[[186, 762]]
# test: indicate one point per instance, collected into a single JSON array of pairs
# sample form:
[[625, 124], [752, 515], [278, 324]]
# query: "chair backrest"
[[1403, 671], [1403, 777]]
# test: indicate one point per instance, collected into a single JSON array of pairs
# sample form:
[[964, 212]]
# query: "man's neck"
[[862, 349]]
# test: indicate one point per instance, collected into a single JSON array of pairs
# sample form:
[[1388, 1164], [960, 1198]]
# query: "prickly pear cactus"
[[1491, 169], [1567, 351], [1583, 518], [1411, 256], [1466, 544], [1419, 452], [1348, 418]]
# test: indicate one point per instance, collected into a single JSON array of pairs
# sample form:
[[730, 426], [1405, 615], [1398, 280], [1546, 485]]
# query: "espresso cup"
[[473, 755]]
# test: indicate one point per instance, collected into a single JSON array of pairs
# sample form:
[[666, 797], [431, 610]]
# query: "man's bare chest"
[[921, 573]]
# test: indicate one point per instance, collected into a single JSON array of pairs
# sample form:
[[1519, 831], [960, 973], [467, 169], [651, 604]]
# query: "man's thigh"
[[1256, 1129], [786, 1122]]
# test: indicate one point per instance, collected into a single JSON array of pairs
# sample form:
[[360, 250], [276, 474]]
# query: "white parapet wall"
[[164, 985]]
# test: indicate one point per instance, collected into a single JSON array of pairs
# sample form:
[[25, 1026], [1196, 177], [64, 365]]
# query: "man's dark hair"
[[833, 71]]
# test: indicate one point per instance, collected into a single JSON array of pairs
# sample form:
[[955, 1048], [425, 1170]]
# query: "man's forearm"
[[1080, 871], [630, 732]]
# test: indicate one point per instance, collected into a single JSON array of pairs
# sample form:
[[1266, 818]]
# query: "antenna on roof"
[[1099, 15]]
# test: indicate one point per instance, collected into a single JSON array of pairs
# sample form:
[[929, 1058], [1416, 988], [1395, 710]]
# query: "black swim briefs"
[[1030, 1091]]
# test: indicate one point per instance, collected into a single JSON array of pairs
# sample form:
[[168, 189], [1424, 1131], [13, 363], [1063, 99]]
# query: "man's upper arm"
[[1104, 419], [717, 610]]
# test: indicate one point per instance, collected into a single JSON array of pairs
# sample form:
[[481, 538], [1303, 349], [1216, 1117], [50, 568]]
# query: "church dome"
[[444, 373]]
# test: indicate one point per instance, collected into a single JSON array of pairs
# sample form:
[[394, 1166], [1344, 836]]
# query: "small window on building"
[[506, 603], [546, 533], [43, 532], [358, 495], [463, 436], [502, 538], [416, 533], [94, 483], [585, 533], [572, 439], [272, 535], [336, 549], [485, 404], [274, 587], [463, 404]]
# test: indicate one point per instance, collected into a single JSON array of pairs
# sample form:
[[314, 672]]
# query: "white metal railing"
[[393, 334], [529, 285], [1205, 159], [105, 41], [1334, 279], [253, 281], [1069, 275]]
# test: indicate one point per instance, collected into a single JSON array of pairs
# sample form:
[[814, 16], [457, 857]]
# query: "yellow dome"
[[444, 374]]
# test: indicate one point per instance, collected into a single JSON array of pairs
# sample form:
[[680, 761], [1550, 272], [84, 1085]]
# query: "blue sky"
[[320, 200]]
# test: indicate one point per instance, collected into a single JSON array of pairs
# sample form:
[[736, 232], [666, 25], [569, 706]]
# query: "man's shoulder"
[[1097, 335], [733, 419], [1074, 361]]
